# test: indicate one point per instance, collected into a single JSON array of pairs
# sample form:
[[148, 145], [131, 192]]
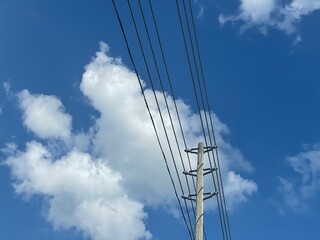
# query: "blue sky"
[[64, 96]]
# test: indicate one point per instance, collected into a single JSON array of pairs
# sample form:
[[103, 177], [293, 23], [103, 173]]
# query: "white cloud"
[[44, 115], [290, 197], [9, 149], [307, 165], [130, 174], [257, 11], [82, 192], [271, 13], [239, 188], [125, 133]]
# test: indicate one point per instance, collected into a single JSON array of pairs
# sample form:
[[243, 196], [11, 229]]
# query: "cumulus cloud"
[[44, 115], [239, 188], [82, 192], [257, 11], [272, 13], [113, 90], [124, 169], [296, 193]]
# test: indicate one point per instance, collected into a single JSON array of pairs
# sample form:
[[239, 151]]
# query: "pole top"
[[201, 145]]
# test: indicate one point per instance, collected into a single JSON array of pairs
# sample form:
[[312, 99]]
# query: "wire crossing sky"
[[93, 136], [221, 198]]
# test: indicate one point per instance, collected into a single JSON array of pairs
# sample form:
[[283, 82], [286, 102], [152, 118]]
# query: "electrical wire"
[[172, 93], [151, 117], [158, 107], [167, 106], [165, 100], [218, 175], [221, 215], [210, 115]]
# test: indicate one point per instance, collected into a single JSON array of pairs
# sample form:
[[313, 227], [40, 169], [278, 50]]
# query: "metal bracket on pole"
[[209, 170], [206, 171], [210, 195], [190, 173], [189, 197], [206, 196], [206, 149]]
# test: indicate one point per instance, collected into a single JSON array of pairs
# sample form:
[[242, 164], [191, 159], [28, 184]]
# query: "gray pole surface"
[[199, 206]]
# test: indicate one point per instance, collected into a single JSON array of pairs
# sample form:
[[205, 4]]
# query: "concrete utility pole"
[[200, 196], [199, 199]]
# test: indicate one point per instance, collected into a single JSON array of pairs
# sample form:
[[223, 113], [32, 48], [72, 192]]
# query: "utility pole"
[[200, 196]]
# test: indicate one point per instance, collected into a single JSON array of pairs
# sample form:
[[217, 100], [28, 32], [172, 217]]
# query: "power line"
[[221, 198], [173, 95], [199, 111], [224, 222], [149, 112], [158, 106], [164, 97], [210, 115], [218, 176]]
